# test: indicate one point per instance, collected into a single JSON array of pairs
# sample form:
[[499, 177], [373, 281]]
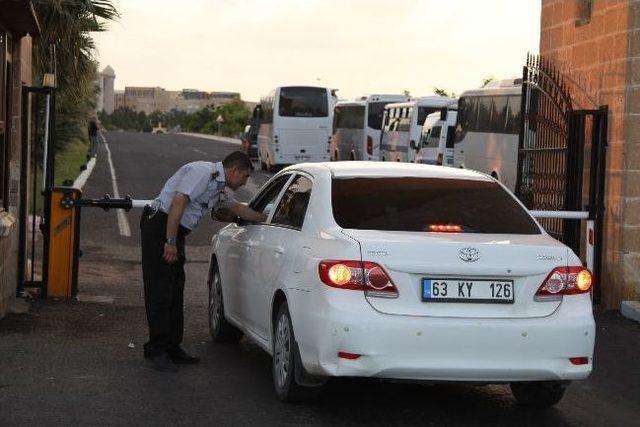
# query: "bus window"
[[349, 117], [484, 114], [374, 119], [423, 112], [498, 114], [434, 137], [451, 136], [513, 114], [303, 102]]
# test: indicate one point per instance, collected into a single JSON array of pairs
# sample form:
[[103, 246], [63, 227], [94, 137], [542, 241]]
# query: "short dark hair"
[[239, 160]]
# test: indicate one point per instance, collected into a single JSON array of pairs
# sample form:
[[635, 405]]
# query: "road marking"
[[198, 151], [123, 224], [81, 180]]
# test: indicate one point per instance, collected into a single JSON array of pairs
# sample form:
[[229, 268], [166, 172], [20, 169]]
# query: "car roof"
[[389, 169]]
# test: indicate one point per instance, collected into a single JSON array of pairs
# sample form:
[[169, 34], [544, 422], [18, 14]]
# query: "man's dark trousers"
[[163, 286]]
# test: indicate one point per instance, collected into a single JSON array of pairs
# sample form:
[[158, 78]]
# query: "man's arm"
[[178, 204], [246, 213]]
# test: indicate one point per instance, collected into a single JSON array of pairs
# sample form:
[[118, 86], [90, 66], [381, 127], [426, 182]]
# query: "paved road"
[[81, 363]]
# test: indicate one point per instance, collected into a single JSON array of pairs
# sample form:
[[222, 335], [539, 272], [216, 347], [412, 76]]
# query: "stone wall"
[[600, 52]]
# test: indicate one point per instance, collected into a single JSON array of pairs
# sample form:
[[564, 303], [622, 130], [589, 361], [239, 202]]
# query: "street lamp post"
[[219, 120]]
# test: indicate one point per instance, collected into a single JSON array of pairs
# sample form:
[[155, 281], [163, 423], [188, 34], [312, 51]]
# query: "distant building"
[[106, 81], [146, 99]]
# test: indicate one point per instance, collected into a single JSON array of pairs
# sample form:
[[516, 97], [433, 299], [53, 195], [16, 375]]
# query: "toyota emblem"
[[469, 254]]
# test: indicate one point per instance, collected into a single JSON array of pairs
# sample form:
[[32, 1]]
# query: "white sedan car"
[[400, 271]]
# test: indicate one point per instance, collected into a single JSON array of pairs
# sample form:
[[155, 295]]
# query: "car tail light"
[[579, 360], [445, 228], [439, 161], [358, 276], [369, 145], [565, 281]]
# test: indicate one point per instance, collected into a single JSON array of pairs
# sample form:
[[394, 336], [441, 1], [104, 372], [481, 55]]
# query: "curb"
[[631, 310]]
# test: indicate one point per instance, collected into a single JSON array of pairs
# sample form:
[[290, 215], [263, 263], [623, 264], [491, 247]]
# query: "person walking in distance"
[[92, 130], [192, 191]]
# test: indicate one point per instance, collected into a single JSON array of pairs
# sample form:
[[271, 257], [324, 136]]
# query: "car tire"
[[286, 361], [538, 394], [219, 328]]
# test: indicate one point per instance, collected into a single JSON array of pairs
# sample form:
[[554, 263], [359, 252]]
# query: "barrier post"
[[62, 243]]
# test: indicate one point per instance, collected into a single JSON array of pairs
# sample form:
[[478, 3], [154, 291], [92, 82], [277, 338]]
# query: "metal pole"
[[46, 142]]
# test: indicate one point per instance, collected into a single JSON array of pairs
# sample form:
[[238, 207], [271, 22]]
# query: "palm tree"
[[66, 48]]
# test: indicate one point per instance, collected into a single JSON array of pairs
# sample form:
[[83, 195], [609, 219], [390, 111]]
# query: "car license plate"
[[464, 290]]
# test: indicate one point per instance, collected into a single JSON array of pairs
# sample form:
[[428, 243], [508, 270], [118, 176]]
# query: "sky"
[[356, 46]]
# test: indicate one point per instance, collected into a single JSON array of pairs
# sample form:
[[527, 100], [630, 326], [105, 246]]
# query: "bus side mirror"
[[413, 145]]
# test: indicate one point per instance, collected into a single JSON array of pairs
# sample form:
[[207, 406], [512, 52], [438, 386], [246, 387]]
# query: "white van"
[[402, 125], [295, 126], [436, 140], [348, 130]]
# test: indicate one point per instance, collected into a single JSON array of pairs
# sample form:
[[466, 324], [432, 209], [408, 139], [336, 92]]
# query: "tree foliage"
[[443, 92], [65, 47], [235, 116]]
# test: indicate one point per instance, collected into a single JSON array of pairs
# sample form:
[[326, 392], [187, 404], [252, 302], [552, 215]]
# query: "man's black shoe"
[[162, 363], [181, 357]]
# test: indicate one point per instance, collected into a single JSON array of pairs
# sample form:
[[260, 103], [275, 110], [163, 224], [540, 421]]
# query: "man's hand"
[[170, 253], [246, 213]]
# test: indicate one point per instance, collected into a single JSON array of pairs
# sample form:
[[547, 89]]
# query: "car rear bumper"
[[477, 350]]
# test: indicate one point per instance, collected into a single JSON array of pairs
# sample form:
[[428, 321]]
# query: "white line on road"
[[123, 224], [199, 151], [81, 180]]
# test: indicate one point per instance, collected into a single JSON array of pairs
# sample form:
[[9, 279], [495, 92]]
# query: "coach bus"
[[357, 125], [402, 125], [295, 126], [487, 130]]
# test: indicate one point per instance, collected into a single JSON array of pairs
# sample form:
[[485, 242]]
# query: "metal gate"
[[561, 158], [37, 174]]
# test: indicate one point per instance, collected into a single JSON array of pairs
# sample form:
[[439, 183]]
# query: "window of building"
[[585, 8]]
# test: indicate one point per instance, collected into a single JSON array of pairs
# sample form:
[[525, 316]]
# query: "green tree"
[[442, 92], [487, 80], [65, 48]]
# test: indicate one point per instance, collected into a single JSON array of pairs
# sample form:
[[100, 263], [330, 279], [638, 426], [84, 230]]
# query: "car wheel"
[[538, 394], [286, 361], [219, 328]]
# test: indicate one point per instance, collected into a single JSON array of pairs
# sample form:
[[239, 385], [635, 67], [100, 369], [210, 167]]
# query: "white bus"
[[488, 128], [402, 124], [362, 143], [348, 130], [295, 126], [437, 137]]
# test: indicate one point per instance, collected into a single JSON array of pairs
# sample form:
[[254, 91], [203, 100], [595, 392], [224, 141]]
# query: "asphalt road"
[[81, 362]]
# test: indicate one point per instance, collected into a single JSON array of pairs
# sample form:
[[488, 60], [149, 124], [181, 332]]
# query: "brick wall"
[[601, 53], [21, 72]]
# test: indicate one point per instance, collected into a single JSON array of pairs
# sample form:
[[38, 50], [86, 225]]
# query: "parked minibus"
[[402, 124], [437, 137], [295, 126], [348, 130], [487, 130]]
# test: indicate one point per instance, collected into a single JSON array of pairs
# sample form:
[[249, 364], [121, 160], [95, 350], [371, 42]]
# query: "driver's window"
[[267, 198]]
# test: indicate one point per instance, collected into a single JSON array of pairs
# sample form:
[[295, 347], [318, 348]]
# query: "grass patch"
[[69, 160]]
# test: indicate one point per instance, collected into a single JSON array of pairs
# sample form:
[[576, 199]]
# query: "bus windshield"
[[303, 102], [376, 111]]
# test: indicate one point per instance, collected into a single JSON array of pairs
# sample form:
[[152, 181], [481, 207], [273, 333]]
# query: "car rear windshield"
[[302, 101], [422, 204]]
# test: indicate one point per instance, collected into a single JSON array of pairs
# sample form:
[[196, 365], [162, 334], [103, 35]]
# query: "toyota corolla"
[[399, 271]]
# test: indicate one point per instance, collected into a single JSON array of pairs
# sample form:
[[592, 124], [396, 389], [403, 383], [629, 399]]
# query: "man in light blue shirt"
[[195, 189]]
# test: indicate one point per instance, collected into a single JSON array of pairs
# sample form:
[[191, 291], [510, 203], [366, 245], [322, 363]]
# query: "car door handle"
[[279, 250]]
